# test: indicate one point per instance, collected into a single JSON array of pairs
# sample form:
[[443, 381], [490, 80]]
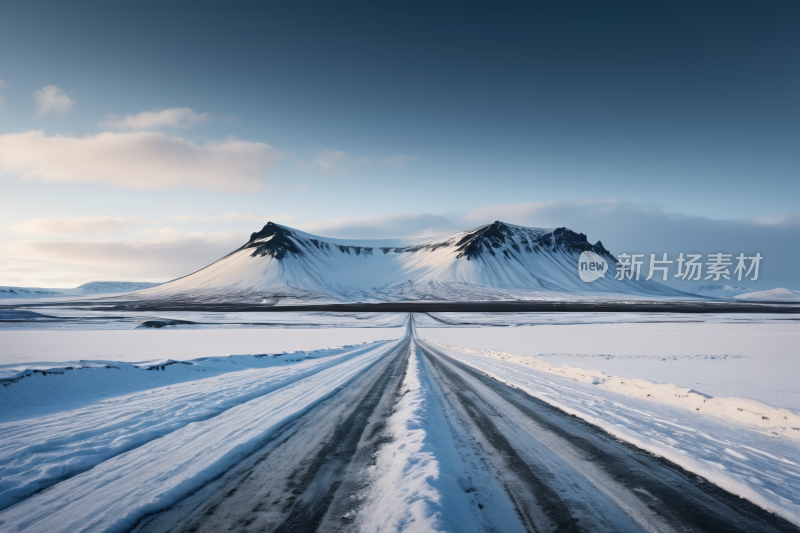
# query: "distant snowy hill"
[[740, 293], [719, 290], [114, 286], [772, 295], [93, 287], [31, 292], [498, 261]]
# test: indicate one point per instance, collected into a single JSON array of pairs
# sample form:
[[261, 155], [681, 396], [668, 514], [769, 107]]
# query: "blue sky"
[[144, 140]]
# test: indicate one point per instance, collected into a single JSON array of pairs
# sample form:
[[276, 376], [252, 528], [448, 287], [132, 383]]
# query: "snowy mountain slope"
[[93, 287], [493, 262]]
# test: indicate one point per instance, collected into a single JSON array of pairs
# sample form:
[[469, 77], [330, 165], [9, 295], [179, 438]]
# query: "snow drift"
[[499, 261]]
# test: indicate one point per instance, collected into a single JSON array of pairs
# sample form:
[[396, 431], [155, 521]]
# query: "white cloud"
[[78, 225], [160, 254], [35, 273], [398, 160], [140, 160], [176, 117], [2, 84], [52, 98]]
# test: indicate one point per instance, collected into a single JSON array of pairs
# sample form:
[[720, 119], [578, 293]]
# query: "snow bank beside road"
[[38, 452], [750, 464], [746, 360], [31, 390], [116, 493], [781, 422]]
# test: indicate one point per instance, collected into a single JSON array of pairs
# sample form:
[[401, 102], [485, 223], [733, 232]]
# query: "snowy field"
[[32, 347], [471, 320], [100, 428], [759, 361], [67, 319]]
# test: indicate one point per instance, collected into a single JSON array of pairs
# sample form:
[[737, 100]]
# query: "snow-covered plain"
[[71, 319], [757, 361], [482, 319], [37, 349], [109, 440]]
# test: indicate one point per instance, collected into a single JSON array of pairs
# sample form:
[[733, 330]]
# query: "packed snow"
[[747, 462], [44, 388], [114, 424], [421, 480], [117, 460]]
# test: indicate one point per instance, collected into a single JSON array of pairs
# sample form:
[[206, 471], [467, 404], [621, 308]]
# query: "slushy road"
[[554, 471]]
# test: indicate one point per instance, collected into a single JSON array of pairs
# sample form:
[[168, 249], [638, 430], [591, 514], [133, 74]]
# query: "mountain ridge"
[[497, 261]]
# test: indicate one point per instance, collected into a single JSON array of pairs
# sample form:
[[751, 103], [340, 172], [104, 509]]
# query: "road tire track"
[[560, 473], [675, 498], [303, 479]]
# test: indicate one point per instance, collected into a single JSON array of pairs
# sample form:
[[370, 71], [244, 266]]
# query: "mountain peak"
[[273, 240], [269, 229], [571, 240], [480, 241]]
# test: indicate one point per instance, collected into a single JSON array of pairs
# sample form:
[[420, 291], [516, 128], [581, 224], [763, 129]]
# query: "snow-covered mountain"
[[498, 261]]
